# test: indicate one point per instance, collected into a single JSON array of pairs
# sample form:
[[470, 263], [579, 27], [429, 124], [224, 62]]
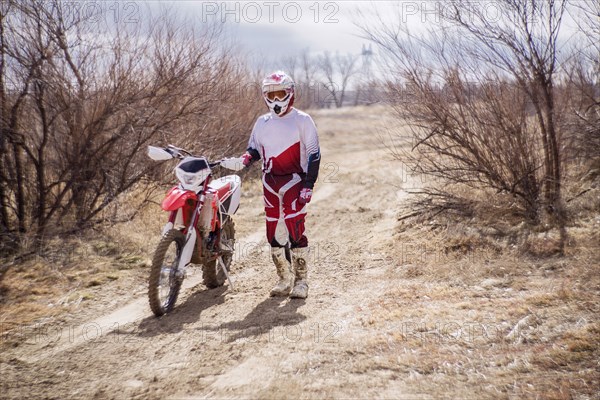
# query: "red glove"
[[305, 196], [246, 159]]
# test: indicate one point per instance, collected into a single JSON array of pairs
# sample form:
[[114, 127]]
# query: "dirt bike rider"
[[286, 140]]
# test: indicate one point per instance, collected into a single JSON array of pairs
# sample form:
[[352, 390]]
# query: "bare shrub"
[[582, 92], [80, 103], [478, 139], [480, 97]]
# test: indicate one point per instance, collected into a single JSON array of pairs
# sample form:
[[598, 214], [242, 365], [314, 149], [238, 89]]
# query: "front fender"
[[176, 198]]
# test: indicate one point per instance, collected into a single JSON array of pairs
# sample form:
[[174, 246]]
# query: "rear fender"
[[228, 190]]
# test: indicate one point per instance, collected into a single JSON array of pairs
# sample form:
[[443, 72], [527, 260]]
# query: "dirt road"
[[435, 309], [241, 343]]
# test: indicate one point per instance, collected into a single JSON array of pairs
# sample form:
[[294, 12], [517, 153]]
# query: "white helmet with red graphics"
[[278, 92]]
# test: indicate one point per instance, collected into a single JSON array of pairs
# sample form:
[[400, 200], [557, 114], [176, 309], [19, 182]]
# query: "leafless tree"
[[582, 87], [79, 105], [481, 97], [290, 65], [302, 67], [307, 66], [337, 71]]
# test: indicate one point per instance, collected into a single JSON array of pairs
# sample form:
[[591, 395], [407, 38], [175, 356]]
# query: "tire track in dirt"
[[137, 310]]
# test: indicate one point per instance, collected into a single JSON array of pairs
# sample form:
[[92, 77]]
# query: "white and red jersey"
[[287, 144]]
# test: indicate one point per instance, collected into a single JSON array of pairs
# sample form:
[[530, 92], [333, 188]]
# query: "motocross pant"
[[285, 215]]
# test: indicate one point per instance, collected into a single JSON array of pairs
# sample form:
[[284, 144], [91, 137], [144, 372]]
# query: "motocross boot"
[[300, 264], [283, 271]]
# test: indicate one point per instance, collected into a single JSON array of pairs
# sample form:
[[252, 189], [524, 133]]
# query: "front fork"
[[191, 235], [187, 252], [190, 239]]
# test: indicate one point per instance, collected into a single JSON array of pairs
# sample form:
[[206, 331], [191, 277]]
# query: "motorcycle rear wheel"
[[212, 273], [164, 283]]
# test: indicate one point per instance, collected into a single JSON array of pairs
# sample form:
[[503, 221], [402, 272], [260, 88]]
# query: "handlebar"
[[169, 152], [179, 153]]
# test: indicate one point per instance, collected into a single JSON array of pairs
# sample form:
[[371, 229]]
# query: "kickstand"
[[222, 264]]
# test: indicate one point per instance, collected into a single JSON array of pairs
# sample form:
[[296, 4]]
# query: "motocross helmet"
[[278, 92]]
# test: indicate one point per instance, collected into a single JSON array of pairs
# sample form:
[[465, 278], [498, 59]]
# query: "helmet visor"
[[280, 95]]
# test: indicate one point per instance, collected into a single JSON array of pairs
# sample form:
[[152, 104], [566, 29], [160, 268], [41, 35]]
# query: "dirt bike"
[[200, 229]]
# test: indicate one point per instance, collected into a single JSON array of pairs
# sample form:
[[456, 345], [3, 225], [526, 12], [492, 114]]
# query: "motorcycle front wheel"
[[165, 282]]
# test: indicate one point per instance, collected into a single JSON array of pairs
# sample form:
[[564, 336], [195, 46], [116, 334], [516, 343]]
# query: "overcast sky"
[[282, 28], [268, 30]]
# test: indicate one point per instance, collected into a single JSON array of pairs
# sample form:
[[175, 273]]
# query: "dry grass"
[[488, 301], [76, 276]]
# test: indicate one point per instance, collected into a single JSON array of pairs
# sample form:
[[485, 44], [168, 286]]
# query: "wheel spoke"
[[164, 283], [168, 280]]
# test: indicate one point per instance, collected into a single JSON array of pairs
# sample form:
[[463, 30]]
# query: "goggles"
[[280, 95]]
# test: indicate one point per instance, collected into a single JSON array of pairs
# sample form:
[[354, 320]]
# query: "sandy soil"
[[241, 343]]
